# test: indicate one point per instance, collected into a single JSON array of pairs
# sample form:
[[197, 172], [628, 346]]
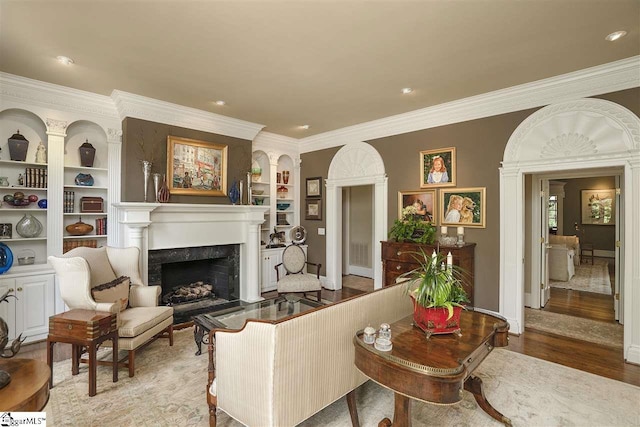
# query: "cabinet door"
[[34, 306], [8, 308]]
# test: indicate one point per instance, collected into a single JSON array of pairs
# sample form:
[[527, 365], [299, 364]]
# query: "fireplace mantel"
[[151, 226]]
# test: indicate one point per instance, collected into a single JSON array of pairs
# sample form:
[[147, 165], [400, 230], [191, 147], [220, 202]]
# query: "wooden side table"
[[28, 390], [83, 329], [586, 252]]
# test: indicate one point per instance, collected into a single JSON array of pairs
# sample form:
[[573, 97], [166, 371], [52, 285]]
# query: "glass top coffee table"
[[236, 313]]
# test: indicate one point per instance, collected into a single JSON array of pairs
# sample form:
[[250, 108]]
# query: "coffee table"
[[235, 314]]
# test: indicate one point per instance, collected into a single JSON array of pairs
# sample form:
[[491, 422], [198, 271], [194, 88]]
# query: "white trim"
[[604, 135], [611, 77], [142, 107], [360, 271], [267, 141]]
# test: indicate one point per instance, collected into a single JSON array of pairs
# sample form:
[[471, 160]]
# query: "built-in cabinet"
[[28, 313]]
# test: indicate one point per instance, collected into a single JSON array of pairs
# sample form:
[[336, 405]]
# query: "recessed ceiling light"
[[65, 60], [615, 36], [407, 90], [305, 127], [221, 102]]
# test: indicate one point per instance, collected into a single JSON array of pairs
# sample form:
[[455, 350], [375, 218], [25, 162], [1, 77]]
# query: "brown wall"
[[602, 236], [155, 138], [480, 147]]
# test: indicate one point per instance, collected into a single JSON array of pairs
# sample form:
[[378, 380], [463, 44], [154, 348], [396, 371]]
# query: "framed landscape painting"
[[314, 187], [313, 209], [196, 168], [424, 203], [438, 168], [599, 207], [464, 207]]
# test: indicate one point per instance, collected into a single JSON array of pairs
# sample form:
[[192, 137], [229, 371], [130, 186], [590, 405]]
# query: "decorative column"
[[114, 147], [380, 199], [56, 132], [333, 238], [248, 289]]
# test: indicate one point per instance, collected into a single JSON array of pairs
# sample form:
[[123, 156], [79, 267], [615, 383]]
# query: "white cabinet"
[[28, 314]]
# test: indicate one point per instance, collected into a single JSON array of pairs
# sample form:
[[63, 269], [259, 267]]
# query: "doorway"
[[357, 231]]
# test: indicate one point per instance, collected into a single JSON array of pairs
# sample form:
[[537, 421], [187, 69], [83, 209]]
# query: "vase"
[[285, 177], [434, 321], [163, 193], [156, 185], [29, 226], [234, 193], [79, 228], [146, 171]]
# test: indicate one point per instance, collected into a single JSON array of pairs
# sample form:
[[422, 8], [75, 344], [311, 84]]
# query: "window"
[[553, 213]]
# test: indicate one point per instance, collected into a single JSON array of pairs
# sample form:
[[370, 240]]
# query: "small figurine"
[[41, 153], [21, 180]]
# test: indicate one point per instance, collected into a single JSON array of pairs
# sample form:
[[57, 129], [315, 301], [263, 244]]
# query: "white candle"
[[434, 259], [460, 231], [449, 260], [443, 230]]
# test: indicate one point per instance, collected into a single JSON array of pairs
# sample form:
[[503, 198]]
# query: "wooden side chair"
[[296, 280]]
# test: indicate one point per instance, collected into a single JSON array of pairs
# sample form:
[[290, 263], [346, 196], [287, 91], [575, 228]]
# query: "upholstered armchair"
[[108, 279], [296, 280]]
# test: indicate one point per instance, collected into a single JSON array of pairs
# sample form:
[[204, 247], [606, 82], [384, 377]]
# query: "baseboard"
[[633, 354], [527, 299], [361, 271], [604, 254]]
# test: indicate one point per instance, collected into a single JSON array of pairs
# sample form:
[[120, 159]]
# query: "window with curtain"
[[553, 214]]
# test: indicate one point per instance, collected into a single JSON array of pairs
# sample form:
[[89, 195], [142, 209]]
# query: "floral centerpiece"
[[412, 227]]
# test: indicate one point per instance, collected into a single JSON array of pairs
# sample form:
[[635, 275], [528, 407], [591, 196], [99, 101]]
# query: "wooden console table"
[[434, 370], [28, 390], [398, 258], [83, 329]]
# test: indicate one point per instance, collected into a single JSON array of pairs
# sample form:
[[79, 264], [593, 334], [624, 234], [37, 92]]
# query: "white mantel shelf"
[[152, 226]]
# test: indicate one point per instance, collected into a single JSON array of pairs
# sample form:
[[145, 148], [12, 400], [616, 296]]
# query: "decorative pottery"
[[4, 181], [84, 179], [29, 226], [285, 177], [146, 172], [163, 193], [283, 192], [278, 177], [79, 228], [18, 146], [156, 184], [42, 203], [258, 201], [282, 206], [234, 193], [434, 320], [256, 173], [87, 154], [6, 258]]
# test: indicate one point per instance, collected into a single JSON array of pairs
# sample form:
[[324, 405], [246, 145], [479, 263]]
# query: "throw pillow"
[[98, 261], [116, 291]]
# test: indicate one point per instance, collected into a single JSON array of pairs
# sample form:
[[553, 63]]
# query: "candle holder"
[[460, 236]]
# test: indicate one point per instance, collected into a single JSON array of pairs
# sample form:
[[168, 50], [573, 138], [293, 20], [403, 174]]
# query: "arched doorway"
[[357, 163], [573, 135]]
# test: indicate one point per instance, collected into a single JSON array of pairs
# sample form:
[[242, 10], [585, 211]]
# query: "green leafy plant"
[[412, 228], [434, 284]]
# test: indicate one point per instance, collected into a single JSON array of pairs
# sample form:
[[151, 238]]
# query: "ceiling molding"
[[49, 100], [611, 77], [141, 107], [267, 141]]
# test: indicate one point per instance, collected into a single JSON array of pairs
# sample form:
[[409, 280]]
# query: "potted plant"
[[412, 228], [437, 293]]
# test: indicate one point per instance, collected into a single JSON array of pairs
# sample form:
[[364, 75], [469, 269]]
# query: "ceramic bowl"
[[257, 192], [283, 206]]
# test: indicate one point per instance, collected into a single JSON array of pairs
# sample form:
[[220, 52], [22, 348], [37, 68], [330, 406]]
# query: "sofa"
[[561, 263], [281, 373], [571, 242]]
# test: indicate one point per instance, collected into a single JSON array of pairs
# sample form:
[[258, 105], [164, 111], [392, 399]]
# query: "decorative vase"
[[156, 185], [285, 177], [18, 146], [434, 320], [163, 193], [6, 258], [87, 154], [79, 228], [29, 226], [234, 193], [146, 172], [84, 179]]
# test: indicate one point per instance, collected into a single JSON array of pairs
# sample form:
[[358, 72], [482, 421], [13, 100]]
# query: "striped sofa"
[[279, 374]]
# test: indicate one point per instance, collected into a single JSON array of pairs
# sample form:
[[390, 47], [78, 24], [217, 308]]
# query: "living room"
[[493, 130]]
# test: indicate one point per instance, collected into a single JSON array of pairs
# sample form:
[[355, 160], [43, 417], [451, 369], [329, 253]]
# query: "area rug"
[[603, 333], [168, 389], [588, 278]]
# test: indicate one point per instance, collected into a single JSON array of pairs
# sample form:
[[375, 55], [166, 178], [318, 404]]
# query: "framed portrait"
[[423, 201], [599, 207], [314, 187], [438, 168], [464, 207], [313, 209], [196, 168]]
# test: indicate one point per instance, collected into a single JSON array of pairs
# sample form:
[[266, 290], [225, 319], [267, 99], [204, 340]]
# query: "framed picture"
[[423, 201], [314, 187], [313, 209], [599, 207], [196, 168], [438, 168], [463, 207]]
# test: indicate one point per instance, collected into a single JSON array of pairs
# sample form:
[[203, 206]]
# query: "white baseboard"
[[633, 354], [604, 254], [361, 271], [527, 299]]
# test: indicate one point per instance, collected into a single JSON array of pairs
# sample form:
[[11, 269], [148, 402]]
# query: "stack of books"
[[101, 226], [35, 177], [67, 245], [69, 201]]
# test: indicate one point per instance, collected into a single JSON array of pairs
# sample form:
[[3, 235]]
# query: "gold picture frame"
[[424, 200], [196, 168], [438, 168], [469, 205]]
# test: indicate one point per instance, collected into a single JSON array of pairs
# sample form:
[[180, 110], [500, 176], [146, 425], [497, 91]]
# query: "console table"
[[434, 370], [398, 258]]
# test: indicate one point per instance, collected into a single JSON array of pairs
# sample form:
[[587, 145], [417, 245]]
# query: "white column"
[[381, 201], [333, 241], [250, 263], [114, 144], [56, 132], [631, 290]]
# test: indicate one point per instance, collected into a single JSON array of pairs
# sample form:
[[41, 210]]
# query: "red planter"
[[434, 320]]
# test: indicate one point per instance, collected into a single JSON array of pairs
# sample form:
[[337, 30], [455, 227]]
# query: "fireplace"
[[195, 279]]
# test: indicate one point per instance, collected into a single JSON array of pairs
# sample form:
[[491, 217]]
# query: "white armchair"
[[83, 269], [561, 263]]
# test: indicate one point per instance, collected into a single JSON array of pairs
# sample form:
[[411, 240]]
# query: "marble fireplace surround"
[[151, 226]]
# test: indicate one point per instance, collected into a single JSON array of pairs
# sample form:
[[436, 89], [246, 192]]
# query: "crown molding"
[[142, 107], [48, 99], [611, 77], [267, 141]]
